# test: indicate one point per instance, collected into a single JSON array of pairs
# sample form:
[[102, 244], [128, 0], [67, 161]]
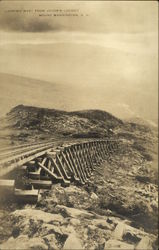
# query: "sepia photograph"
[[78, 125]]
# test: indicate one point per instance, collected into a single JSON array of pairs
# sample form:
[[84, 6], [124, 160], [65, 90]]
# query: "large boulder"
[[127, 233], [73, 243], [119, 230], [113, 244], [145, 243]]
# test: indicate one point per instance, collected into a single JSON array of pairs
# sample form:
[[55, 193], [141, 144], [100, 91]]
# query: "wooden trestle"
[[71, 162]]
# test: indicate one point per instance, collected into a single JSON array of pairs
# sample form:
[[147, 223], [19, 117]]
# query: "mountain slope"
[[90, 123]]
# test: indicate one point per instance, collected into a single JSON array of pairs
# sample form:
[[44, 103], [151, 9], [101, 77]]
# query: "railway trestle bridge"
[[45, 164]]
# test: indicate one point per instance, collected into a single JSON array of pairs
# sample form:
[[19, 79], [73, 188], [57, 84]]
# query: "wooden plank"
[[59, 171], [29, 196], [49, 165], [72, 170], [62, 168], [76, 167], [75, 153], [51, 174], [84, 158], [66, 162], [43, 161], [34, 175], [38, 184]]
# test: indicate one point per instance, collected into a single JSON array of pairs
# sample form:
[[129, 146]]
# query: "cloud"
[[137, 43], [102, 16], [13, 22]]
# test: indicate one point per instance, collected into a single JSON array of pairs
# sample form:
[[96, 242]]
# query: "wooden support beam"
[[29, 196], [49, 165], [80, 159], [96, 154], [66, 162], [89, 154], [99, 150], [59, 162], [74, 171], [78, 172], [78, 164], [44, 161], [76, 154], [90, 147], [34, 175], [51, 174], [41, 184], [83, 159], [57, 168], [88, 158]]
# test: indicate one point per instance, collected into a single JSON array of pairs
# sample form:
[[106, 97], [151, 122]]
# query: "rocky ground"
[[116, 209]]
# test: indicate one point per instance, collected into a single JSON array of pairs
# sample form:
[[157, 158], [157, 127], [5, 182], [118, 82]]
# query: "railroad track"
[[10, 150], [51, 162]]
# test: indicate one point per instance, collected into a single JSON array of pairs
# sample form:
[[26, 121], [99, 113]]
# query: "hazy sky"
[[106, 57]]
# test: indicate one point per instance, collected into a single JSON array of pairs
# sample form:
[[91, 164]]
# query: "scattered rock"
[[110, 221], [145, 243], [102, 224], [68, 230], [116, 245], [144, 179], [75, 222], [131, 237], [48, 229], [36, 214], [119, 230], [101, 244], [72, 243], [109, 212], [51, 241], [94, 196], [23, 242], [73, 212], [135, 232], [127, 233], [92, 227], [72, 189]]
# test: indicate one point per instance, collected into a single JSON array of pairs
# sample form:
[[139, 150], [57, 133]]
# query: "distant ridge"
[[85, 123]]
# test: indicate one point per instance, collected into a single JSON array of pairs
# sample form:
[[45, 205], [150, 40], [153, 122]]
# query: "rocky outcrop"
[[38, 215], [24, 242], [57, 226]]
